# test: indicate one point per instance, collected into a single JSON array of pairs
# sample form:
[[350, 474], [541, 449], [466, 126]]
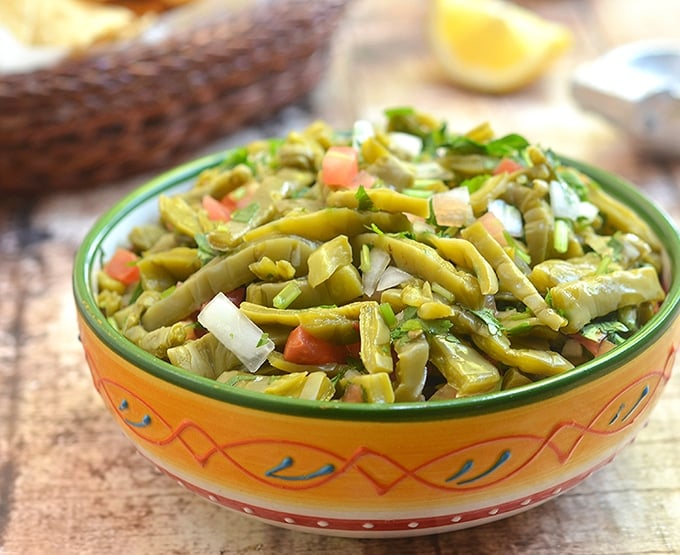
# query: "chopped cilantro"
[[574, 181], [489, 318], [475, 183], [520, 329], [461, 144], [506, 146], [376, 229], [509, 145], [432, 218], [263, 339], [437, 327], [434, 139], [603, 266], [617, 247], [411, 324], [606, 329], [234, 157], [399, 111], [365, 202], [136, 292], [205, 250], [517, 248], [244, 215]]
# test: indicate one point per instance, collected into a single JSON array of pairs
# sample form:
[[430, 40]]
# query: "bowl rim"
[[85, 261]]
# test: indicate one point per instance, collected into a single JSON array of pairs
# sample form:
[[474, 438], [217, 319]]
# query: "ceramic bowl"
[[374, 470]]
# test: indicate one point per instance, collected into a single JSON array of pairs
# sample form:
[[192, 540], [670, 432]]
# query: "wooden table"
[[71, 483]]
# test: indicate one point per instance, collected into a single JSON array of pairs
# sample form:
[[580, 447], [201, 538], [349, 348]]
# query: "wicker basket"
[[121, 111]]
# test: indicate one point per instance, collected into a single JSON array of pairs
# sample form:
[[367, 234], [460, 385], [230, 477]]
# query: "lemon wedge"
[[492, 45]]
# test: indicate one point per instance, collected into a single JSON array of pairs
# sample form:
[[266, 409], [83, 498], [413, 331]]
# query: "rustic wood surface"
[[71, 483]]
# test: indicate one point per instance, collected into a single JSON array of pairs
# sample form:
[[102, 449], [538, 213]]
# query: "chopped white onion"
[[453, 208], [378, 262], [235, 331], [362, 130], [563, 200], [509, 216], [407, 143], [587, 210], [392, 277], [566, 203]]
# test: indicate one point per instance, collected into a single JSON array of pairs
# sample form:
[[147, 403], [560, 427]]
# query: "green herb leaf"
[[244, 215], [508, 145], [431, 218], [475, 183], [365, 202], [572, 179], [263, 339], [606, 329], [136, 292], [617, 247], [234, 157], [461, 144], [399, 111], [205, 250], [437, 327], [376, 229], [489, 318]]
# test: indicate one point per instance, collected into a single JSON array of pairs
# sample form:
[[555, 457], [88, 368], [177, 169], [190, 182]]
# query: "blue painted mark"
[[504, 457], [644, 394], [145, 421], [618, 413], [287, 462], [467, 465]]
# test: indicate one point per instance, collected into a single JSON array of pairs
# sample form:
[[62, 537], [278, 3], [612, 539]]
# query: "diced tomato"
[[304, 348], [218, 211], [495, 227], [229, 203], [363, 179], [353, 394], [123, 266], [353, 349], [339, 166], [190, 331], [595, 348], [237, 295], [507, 165]]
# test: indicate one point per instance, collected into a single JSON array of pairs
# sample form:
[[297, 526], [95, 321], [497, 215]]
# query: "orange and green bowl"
[[374, 470]]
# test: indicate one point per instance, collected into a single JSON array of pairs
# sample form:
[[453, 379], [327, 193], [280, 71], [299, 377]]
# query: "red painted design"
[[377, 526], [562, 442]]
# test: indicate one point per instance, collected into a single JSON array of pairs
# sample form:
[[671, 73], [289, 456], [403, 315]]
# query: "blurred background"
[[104, 101]]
